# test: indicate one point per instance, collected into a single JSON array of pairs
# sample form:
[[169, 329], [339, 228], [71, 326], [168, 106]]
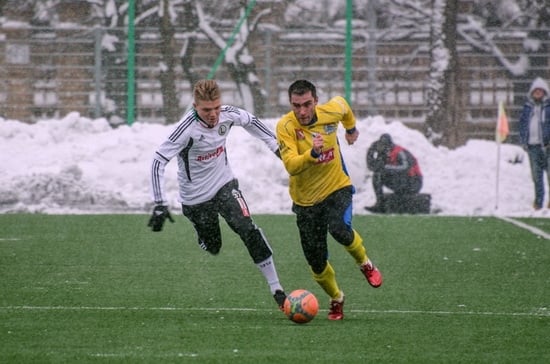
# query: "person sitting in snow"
[[395, 168]]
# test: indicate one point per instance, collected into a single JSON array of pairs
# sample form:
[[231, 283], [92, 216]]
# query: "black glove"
[[160, 213]]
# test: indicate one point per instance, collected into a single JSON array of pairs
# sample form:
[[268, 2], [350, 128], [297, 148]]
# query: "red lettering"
[[326, 156], [208, 156]]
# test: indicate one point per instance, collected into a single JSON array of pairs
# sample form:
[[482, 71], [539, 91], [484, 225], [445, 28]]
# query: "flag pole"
[[501, 133], [498, 175]]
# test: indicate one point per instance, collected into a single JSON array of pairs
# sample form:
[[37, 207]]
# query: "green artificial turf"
[[104, 288]]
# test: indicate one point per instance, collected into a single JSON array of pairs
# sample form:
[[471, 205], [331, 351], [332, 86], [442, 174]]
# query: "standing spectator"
[[394, 167], [534, 133], [207, 186], [320, 187]]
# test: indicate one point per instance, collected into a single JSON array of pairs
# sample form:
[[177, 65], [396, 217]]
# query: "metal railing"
[[48, 73]]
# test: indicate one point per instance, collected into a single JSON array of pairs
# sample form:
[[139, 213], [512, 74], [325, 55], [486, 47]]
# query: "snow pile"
[[79, 165]]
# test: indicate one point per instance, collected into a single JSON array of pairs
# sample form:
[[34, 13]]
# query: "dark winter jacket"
[[400, 160], [391, 159], [527, 113]]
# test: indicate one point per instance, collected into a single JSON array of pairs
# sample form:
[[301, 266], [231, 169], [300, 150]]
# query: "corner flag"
[[502, 129]]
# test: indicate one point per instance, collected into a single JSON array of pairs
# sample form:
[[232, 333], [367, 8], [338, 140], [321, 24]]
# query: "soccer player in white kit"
[[207, 186]]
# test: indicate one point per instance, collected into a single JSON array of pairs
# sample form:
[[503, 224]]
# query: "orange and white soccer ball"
[[301, 306]]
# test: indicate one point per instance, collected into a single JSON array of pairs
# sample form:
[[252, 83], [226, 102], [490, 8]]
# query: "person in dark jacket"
[[395, 168], [534, 134]]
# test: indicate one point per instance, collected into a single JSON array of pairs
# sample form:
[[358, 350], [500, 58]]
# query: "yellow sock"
[[357, 249], [327, 281]]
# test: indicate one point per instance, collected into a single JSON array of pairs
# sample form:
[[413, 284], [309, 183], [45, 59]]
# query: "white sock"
[[267, 267]]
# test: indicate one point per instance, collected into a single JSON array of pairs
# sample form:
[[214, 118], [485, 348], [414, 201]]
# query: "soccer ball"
[[301, 306]]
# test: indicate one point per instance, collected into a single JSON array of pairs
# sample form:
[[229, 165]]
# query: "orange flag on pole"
[[502, 129], [501, 133]]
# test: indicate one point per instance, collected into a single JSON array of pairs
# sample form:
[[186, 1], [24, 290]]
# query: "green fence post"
[[131, 63], [231, 39], [349, 49]]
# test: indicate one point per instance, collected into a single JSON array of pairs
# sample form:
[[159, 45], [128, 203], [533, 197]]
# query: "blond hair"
[[206, 90]]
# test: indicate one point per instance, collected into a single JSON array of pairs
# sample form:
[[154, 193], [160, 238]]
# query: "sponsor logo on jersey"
[[326, 156], [330, 128], [208, 156]]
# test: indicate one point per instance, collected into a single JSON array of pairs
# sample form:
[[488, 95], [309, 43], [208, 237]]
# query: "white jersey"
[[203, 167]]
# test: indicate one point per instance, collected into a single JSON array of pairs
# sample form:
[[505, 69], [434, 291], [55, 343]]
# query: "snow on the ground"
[[79, 165]]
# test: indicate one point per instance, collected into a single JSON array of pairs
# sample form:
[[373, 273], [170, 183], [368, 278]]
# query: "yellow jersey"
[[313, 179]]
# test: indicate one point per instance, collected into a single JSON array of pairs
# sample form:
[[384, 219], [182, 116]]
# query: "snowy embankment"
[[78, 165]]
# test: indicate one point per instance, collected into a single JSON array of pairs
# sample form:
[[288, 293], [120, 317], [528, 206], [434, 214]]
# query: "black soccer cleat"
[[280, 297]]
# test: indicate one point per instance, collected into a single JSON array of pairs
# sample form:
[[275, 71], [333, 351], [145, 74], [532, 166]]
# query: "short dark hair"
[[386, 139], [384, 144], [301, 87]]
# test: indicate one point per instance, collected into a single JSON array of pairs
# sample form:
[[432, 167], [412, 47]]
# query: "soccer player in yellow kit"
[[320, 187]]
